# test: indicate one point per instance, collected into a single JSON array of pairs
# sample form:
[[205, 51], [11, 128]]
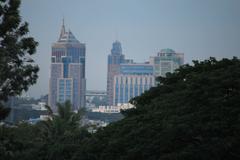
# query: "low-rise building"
[[113, 109]]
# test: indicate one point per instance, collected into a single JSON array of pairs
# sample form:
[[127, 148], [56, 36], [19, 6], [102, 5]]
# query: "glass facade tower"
[[114, 60], [67, 79]]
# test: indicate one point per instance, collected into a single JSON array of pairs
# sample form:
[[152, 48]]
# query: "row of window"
[[115, 59], [123, 93], [136, 69], [133, 80]]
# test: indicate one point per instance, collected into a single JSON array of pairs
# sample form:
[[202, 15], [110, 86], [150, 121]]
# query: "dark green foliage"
[[57, 138], [19, 141], [192, 114], [65, 122], [4, 112], [62, 133], [106, 117], [17, 69]]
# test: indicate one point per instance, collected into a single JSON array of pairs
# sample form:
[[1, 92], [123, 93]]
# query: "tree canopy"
[[192, 114], [17, 69], [59, 137]]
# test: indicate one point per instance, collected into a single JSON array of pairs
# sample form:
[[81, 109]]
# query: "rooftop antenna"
[[116, 34], [62, 29]]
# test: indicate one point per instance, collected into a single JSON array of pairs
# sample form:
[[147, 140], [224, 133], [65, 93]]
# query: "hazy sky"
[[198, 28]]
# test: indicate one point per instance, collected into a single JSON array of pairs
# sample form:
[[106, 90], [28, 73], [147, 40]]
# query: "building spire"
[[62, 29]]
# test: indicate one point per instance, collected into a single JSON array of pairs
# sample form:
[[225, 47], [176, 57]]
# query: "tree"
[[58, 138], [62, 133], [17, 68], [193, 114], [63, 122], [3, 112]]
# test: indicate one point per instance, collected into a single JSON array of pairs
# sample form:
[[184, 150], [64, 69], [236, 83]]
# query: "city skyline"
[[199, 29], [128, 79], [119, 79]]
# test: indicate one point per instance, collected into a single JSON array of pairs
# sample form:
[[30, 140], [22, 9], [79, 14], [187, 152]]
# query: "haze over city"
[[119, 79], [199, 29]]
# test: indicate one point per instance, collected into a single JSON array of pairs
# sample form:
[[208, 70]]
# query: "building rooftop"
[[116, 48], [167, 50], [66, 37]]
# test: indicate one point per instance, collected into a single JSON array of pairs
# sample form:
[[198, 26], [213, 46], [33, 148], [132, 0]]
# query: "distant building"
[[90, 94], [126, 79], [114, 60], [67, 79], [24, 108], [136, 69], [167, 60], [44, 98], [113, 109], [132, 80], [40, 118]]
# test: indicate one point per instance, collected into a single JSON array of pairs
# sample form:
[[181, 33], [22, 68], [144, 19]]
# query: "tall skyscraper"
[[67, 78], [167, 60], [114, 60]]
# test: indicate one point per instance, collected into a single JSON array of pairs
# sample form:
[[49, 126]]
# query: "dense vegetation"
[[106, 117], [57, 138], [193, 114], [17, 69]]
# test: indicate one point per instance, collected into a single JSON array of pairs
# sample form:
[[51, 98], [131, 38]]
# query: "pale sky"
[[198, 28]]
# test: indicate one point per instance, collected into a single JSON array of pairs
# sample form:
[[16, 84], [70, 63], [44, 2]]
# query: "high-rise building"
[[167, 60], [67, 78], [114, 60], [133, 80], [127, 79]]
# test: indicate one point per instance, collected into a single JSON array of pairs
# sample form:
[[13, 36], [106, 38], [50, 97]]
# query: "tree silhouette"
[[17, 68], [192, 114], [62, 131]]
